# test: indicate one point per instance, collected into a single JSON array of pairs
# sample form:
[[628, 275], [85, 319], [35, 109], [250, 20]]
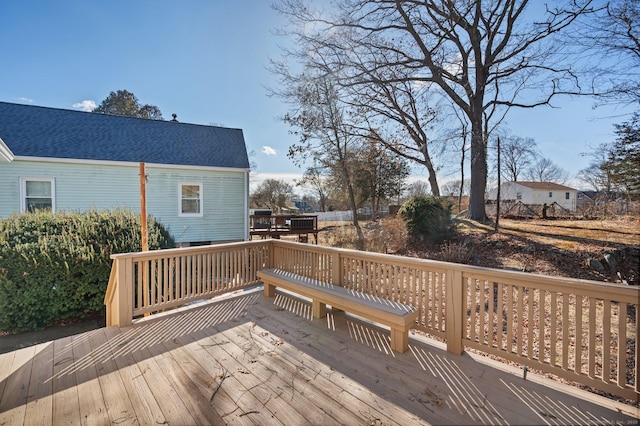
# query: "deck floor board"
[[248, 360]]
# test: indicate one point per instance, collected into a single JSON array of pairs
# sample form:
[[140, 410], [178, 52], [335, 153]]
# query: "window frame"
[[550, 194], [181, 213], [23, 192]]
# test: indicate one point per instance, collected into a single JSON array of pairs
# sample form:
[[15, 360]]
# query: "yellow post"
[[143, 207], [144, 236], [123, 298], [454, 311]]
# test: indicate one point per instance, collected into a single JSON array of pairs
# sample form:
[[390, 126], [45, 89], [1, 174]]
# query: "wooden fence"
[[584, 331]]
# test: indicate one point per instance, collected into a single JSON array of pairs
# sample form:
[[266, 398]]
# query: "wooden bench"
[[399, 317]]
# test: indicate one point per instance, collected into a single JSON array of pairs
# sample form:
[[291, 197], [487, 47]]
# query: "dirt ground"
[[601, 250]]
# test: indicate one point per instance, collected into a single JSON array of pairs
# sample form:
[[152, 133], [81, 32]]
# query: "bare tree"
[[545, 170], [482, 56], [314, 179], [417, 188], [612, 41], [456, 187], [272, 194], [325, 131], [517, 155], [598, 174], [398, 116]]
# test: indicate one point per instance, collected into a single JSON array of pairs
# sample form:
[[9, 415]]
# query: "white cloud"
[[30, 101], [85, 105], [268, 150]]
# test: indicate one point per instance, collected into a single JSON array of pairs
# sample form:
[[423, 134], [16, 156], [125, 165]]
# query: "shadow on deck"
[[244, 359]]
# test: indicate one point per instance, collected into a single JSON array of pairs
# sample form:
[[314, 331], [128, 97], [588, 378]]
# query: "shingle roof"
[[544, 185], [35, 131]]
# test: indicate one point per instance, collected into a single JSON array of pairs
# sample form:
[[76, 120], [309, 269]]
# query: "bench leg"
[[269, 290], [318, 309], [399, 340]]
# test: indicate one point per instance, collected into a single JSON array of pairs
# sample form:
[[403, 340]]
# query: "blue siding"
[[84, 186]]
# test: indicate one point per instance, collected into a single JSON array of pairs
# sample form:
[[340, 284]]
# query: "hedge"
[[55, 267]]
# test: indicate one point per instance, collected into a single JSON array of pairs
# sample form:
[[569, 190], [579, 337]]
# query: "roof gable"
[[34, 131], [544, 185]]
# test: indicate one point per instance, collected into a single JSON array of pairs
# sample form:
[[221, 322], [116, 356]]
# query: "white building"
[[536, 193]]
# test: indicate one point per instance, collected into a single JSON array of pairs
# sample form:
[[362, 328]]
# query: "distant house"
[[536, 194], [197, 176]]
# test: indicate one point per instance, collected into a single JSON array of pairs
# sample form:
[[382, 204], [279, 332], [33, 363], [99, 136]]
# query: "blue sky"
[[206, 62]]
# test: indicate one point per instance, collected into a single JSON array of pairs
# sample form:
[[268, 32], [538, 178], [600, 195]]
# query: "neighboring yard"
[[570, 248]]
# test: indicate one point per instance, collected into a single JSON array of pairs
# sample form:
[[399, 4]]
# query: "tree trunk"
[[498, 191], [464, 143], [356, 223], [478, 172], [433, 179]]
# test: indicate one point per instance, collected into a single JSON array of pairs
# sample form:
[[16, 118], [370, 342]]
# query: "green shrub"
[[55, 267], [428, 218]]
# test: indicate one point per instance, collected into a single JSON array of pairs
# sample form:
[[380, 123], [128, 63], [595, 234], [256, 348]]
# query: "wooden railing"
[[584, 331], [152, 281]]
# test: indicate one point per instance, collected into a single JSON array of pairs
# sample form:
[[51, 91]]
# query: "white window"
[[37, 194], [519, 195], [190, 199], [567, 196]]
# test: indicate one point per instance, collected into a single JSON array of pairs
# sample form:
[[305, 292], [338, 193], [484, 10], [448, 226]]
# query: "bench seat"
[[397, 316]]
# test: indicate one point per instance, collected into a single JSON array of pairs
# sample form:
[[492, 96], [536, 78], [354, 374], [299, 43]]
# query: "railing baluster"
[[553, 343], [578, 340], [520, 326], [531, 293], [565, 330], [592, 337], [637, 348], [541, 318], [472, 306], [509, 318], [499, 316], [622, 345], [606, 342]]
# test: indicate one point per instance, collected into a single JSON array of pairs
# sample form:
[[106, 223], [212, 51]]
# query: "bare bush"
[[457, 252]]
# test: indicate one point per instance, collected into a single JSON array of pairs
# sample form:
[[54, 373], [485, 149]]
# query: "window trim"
[[201, 199], [23, 192]]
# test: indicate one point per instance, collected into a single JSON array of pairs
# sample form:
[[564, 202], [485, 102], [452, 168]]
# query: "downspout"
[[246, 205]]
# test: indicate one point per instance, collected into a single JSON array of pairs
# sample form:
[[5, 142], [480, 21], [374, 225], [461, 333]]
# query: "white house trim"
[[200, 199], [23, 191], [5, 153], [123, 163]]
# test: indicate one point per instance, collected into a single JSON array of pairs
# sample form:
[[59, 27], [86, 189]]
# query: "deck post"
[[336, 268], [272, 255], [122, 311], [454, 311]]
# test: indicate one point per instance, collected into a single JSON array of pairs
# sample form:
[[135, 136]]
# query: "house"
[[536, 194], [197, 176]]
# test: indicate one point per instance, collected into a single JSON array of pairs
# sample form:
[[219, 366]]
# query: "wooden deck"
[[247, 360]]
